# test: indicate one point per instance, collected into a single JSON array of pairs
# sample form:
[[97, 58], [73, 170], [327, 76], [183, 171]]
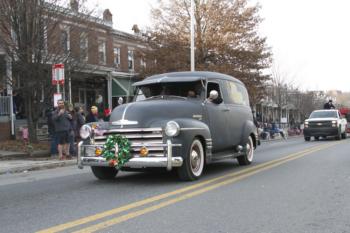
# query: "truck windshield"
[[164, 90], [324, 114]]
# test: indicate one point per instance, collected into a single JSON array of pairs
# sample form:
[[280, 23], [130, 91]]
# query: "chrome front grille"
[[152, 138], [320, 124]]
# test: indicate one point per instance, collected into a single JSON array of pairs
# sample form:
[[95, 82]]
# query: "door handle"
[[225, 109]]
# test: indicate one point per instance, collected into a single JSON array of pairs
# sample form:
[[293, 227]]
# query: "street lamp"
[[192, 35]]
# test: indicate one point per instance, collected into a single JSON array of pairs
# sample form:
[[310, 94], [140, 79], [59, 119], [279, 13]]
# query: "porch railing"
[[5, 109]]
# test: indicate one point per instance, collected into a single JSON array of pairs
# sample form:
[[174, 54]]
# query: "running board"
[[226, 155]]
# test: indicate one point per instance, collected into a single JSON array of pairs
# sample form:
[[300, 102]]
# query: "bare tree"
[[35, 35], [285, 91], [226, 40]]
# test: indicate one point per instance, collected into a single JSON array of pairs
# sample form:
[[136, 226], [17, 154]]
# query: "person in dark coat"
[[79, 119], [93, 115], [72, 131], [51, 131], [329, 105], [62, 121]]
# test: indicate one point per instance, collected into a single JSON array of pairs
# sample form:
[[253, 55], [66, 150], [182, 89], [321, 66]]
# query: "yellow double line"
[[218, 182]]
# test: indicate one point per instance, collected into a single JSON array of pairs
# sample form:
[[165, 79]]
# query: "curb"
[[16, 155], [13, 156], [35, 167]]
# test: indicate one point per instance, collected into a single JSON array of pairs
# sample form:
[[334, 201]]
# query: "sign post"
[[10, 93], [57, 79]]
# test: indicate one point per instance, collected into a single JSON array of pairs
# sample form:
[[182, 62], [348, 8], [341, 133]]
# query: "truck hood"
[[153, 113], [322, 119]]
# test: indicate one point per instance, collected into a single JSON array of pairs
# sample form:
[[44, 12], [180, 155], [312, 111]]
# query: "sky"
[[310, 39]]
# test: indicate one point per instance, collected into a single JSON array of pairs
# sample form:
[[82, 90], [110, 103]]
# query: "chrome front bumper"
[[167, 161]]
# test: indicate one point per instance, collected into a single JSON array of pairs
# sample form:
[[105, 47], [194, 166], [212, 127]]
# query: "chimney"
[[136, 29], [74, 5], [108, 17]]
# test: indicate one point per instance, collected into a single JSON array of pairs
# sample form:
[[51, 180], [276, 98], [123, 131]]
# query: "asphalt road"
[[292, 186]]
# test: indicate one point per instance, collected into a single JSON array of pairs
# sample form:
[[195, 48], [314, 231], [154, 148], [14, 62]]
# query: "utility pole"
[[192, 36], [10, 93]]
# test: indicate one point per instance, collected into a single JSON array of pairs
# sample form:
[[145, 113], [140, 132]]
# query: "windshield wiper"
[[165, 96], [176, 96], [155, 97]]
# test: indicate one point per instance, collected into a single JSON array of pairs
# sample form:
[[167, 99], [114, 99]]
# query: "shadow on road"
[[158, 177]]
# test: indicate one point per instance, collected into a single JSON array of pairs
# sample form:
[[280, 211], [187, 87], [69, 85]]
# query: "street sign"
[[57, 74], [56, 97]]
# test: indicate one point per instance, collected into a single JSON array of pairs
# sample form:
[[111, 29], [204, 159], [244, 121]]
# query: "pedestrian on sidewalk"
[[93, 115], [73, 122], [51, 130], [79, 121], [62, 121], [106, 114]]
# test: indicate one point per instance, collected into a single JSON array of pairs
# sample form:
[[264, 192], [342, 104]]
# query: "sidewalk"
[[14, 162]]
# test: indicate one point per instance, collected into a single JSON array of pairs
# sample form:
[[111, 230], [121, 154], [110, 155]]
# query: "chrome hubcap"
[[195, 160], [249, 147]]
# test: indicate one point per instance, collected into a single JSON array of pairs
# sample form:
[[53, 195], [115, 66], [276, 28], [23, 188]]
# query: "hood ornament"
[[124, 122]]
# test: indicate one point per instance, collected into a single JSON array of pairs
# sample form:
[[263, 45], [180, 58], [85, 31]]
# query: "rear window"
[[324, 114]]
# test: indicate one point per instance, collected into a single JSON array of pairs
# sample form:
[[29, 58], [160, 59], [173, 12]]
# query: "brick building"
[[112, 60], [113, 64]]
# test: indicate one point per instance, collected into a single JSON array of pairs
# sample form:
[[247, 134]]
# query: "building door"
[[87, 97]]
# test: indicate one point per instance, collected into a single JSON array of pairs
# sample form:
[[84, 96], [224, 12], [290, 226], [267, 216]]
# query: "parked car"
[[182, 121], [324, 123]]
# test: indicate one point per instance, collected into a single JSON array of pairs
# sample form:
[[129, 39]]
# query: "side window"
[[229, 93], [236, 94], [245, 97], [213, 86]]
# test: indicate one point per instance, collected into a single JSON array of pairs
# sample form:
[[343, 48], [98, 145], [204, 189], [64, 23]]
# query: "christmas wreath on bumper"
[[116, 150]]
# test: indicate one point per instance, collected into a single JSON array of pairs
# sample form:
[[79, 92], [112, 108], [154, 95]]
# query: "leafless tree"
[[226, 40], [33, 33]]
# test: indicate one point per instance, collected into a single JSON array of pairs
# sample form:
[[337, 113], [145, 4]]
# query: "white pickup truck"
[[324, 123]]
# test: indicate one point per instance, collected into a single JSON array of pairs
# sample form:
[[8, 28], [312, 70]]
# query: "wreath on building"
[[116, 150]]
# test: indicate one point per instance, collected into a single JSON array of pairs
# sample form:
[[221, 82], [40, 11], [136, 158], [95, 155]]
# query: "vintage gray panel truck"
[[180, 120]]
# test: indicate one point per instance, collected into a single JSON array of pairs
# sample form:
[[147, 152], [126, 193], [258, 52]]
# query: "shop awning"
[[122, 87]]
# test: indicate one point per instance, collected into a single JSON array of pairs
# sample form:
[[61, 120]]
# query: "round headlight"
[[85, 131], [172, 129]]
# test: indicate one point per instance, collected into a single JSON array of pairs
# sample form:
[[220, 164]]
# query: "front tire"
[[248, 156], [193, 165], [104, 173], [307, 138], [338, 137]]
